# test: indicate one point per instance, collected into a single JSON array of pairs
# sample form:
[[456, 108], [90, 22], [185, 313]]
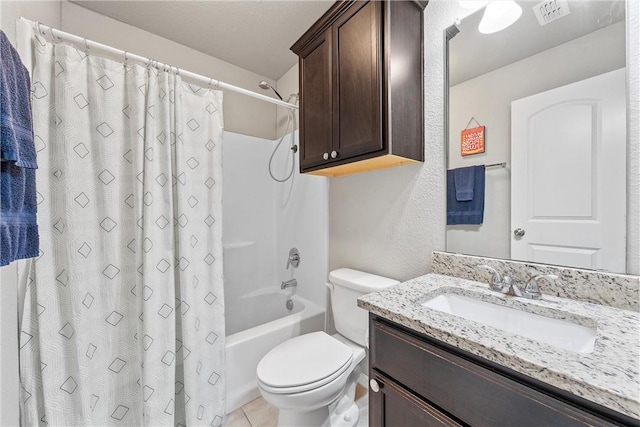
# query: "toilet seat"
[[303, 363]]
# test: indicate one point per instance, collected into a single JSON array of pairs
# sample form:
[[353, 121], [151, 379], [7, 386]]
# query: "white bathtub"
[[256, 323]]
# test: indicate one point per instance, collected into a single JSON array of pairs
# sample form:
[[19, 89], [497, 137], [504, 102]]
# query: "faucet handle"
[[531, 290], [496, 280], [294, 258]]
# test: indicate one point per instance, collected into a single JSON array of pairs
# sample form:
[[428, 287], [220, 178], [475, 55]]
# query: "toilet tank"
[[346, 287]]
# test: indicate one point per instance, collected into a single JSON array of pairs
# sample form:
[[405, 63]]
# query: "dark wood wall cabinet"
[[418, 381], [361, 94]]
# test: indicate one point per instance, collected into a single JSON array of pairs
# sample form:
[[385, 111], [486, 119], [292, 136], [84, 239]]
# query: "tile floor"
[[258, 413]]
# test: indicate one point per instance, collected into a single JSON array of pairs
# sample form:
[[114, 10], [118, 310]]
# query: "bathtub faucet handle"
[[294, 258], [289, 284]]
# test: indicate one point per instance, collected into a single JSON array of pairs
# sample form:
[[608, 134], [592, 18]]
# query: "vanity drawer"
[[471, 393]]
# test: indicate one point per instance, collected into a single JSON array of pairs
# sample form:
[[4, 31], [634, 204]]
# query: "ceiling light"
[[498, 15]]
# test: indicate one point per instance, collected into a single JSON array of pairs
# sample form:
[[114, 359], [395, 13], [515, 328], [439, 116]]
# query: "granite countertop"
[[608, 376]]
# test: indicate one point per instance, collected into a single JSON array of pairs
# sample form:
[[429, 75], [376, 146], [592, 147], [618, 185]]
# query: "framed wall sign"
[[472, 139]]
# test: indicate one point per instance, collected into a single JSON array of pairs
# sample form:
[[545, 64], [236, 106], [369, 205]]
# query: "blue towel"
[[463, 179], [15, 111], [469, 211], [18, 228]]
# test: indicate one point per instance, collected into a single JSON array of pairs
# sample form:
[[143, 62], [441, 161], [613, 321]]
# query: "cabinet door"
[[473, 394], [394, 406], [357, 56], [316, 102]]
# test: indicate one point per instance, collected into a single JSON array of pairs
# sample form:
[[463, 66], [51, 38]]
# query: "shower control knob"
[[375, 386], [518, 232], [334, 154], [325, 156]]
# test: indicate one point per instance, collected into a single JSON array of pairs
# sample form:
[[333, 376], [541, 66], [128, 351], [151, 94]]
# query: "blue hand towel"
[[15, 109], [463, 179], [469, 211], [18, 227]]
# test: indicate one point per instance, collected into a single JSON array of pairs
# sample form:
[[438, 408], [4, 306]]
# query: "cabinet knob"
[[334, 154], [375, 385], [325, 156]]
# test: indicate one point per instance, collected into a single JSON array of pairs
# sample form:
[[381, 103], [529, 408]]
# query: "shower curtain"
[[123, 318]]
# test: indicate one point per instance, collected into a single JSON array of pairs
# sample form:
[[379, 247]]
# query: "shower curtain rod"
[[90, 45]]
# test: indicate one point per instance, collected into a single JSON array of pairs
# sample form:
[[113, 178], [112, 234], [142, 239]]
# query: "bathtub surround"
[[615, 290], [264, 219], [130, 272]]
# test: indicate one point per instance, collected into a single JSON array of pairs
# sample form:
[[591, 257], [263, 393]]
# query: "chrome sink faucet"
[[505, 285]]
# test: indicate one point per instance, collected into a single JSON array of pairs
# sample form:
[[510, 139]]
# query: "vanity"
[[429, 365]]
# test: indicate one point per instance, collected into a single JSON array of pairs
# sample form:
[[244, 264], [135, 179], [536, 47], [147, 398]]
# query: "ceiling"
[[252, 34], [472, 54]]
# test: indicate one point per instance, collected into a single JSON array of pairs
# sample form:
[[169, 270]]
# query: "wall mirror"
[[550, 91]]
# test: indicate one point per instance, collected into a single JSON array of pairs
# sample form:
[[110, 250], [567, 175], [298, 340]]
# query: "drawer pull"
[[325, 156], [375, 385]]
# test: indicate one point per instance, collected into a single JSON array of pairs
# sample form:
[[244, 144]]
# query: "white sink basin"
[[556, 332]]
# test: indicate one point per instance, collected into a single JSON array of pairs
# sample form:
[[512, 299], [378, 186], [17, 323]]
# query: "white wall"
[[488, 98], [242, 114], [286, 85], [633, 137], [9, 407], [46, 12]]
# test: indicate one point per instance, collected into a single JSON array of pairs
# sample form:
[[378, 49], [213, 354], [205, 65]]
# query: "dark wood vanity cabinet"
[[421, 382], [361, 87]]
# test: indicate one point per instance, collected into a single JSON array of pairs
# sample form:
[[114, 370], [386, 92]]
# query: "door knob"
[[518, 232], [325, 156], [334, 154], [375, 385]]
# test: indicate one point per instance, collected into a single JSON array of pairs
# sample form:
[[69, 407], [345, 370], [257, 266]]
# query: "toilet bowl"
[[311, 378], [304, 376]]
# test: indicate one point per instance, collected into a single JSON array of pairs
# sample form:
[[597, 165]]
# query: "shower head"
[[266, 86]]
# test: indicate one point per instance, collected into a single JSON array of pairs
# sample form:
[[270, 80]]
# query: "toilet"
[[312, 378]]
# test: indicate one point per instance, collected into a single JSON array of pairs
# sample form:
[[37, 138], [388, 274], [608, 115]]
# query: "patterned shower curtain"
[[123, 319]]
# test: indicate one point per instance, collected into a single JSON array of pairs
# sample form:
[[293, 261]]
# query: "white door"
[[568, 183]]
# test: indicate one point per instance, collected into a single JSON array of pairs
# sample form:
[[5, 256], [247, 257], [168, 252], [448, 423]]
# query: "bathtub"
[[255, 323]]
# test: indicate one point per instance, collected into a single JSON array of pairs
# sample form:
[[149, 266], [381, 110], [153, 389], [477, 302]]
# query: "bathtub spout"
[[289, 284]]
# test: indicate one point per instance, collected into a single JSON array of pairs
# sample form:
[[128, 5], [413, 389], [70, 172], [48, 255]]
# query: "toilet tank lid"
[[360, 281]]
